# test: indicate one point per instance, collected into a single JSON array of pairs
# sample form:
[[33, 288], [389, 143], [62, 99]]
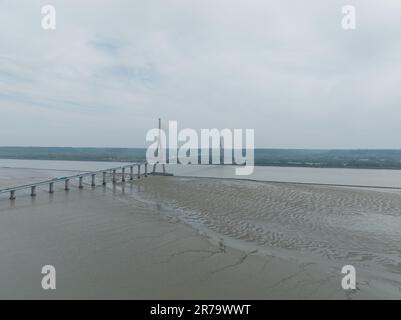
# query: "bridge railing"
[[66, 180]]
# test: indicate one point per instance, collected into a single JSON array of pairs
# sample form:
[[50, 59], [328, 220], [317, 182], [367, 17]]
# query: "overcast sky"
[[282, 67]]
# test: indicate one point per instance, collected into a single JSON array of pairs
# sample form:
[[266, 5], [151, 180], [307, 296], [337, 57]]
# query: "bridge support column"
[[67, 185], [139, 171], [81, 182], [93, 184], [114, 176], [33, 191], [131, 173], [51, 187], [146, 169], [12, 195], [123, 174], [104, 178]]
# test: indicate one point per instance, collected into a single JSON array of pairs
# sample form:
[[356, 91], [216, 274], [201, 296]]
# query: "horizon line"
[[257, 148]]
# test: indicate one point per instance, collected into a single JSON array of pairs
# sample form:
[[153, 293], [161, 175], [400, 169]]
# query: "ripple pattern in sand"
[[338, 223]]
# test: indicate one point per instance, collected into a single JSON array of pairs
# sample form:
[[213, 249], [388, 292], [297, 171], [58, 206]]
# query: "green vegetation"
[[366, 159], [75, 154]]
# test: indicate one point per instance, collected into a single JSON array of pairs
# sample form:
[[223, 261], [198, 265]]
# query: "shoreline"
[[200, 164], [296, 183]]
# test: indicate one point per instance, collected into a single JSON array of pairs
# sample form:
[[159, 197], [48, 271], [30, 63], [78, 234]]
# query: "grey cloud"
[[282, 67]]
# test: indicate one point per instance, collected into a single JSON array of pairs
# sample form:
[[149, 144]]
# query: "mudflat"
[[196, 238]]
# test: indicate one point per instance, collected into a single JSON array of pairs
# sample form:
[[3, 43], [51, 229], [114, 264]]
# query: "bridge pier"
[[146, 169], [12, 195], [81, 182], [104, 177], [131, 173], [51, 187], [93, 184], [139, 171], [33, 191], [114, 176], [123, 174], [67, 185]]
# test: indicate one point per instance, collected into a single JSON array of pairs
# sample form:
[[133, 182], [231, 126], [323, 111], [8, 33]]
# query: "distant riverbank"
[[306, 158]]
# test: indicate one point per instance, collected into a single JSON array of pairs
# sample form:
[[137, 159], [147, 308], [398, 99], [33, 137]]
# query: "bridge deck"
[[80, 176]]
